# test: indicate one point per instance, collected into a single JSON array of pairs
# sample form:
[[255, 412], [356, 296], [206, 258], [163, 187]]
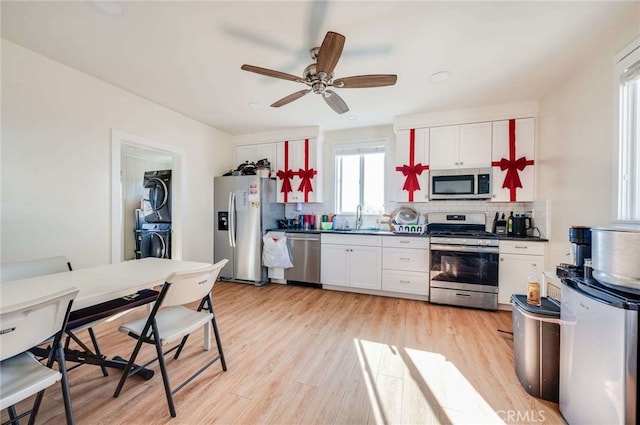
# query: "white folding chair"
[[23, 326], [171, 320], [31, 268], [50, 265]]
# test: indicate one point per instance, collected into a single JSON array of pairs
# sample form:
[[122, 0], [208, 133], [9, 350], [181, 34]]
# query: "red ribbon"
[[287, 174], [306, 174], [305, 184], [286, 177], [512, 165], [411, 171]]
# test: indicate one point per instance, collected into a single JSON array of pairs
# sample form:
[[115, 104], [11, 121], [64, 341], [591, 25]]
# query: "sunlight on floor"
[[413, 386]]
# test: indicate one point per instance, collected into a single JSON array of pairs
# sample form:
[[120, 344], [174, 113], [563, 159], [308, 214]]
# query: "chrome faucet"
[[358, 217]]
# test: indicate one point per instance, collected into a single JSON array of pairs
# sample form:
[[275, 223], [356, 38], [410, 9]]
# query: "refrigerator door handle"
[[232, 219]]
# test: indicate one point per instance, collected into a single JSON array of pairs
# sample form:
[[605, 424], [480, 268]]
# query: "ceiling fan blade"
[[361, 81], [335, 102], [270, 72], [290, 98], [330, 52]]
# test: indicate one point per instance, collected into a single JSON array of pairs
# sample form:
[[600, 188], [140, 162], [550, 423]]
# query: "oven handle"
[[464, 248]]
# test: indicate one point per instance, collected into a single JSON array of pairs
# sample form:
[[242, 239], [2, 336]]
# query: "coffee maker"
[[581, 237]]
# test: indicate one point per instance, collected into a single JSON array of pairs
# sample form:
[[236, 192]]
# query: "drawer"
[[351, 239], [405, 242], [464, 298], [522, 247], [405, 282], [416, 260]]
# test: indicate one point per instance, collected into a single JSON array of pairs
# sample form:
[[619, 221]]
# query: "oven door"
[[463, 267]]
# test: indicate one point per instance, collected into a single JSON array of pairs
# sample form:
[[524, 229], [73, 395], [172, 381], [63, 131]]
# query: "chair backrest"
[[27, 324], [31, 268], [190, 286]]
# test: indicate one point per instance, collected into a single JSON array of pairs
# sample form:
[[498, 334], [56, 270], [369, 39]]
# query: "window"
[[627, 73], [359, 178]]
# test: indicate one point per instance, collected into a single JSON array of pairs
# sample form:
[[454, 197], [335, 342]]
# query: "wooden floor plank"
[[301, 355]]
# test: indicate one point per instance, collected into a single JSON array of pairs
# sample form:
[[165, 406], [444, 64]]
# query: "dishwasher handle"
[[303, 239]]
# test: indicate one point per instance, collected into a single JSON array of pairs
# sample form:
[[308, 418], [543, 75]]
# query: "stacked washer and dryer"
[[153, 220]]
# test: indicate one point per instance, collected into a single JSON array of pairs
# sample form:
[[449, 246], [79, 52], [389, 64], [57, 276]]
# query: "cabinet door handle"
[[405, 281], [462, 295], [501, 259], [521, 247], [405, 259], [405, 241]]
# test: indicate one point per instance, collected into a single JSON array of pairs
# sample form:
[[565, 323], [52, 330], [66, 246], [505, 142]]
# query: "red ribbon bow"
[[286, 176], [305, 183], [512, 179], [512, 165], [411, 172]]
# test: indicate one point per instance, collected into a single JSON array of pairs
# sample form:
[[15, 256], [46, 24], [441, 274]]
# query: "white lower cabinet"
[[351, 260], [405, 264], [516, 259]]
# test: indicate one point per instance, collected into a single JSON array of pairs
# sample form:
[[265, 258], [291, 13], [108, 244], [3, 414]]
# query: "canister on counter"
[[533, 287]]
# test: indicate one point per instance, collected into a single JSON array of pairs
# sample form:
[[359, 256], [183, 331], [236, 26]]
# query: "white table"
[[99, 284], [96, 284]]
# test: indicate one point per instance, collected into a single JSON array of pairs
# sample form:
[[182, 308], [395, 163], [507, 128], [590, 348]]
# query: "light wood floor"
[[301, 355]]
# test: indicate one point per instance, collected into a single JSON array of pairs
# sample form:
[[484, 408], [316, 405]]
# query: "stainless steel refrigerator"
[[245, 208]]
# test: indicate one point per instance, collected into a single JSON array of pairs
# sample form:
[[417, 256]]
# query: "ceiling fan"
[[318, 76]]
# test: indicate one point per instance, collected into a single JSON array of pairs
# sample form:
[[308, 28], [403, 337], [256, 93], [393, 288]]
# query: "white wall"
[[574, 165], [56, 161]]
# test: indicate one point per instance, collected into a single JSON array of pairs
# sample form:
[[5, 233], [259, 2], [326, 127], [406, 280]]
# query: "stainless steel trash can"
[[536, 346]]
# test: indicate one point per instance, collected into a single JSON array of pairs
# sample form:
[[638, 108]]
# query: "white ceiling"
[[187, 55]]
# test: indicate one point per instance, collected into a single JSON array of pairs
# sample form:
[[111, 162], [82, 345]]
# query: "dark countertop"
[[388, 233], [350, 232], [343, 232]]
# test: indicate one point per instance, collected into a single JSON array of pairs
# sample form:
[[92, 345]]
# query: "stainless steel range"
[[464, 261]]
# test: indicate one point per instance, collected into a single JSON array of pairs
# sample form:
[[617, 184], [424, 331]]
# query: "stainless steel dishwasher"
[[305, 256]]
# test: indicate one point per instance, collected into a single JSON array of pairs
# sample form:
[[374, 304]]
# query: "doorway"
[[127, 152]]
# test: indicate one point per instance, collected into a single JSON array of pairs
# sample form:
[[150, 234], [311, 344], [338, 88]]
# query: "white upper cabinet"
[[411, 166], [254, 153], [513, 153], [460, 146], [297, 171]]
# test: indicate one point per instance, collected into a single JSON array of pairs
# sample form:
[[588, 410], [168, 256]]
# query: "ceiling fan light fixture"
[[440, 77], [310, 72], [318, 87]]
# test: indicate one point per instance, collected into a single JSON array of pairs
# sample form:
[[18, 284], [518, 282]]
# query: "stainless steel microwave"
[[460, 183]]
